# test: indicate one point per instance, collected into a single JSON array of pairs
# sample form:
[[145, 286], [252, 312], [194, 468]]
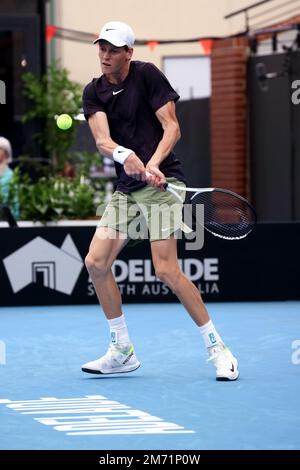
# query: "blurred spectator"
[[6, 175]]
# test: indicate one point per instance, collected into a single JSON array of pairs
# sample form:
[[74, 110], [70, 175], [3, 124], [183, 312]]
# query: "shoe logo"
[[212, 338], [232, 367], [110, 29], [114, 337], [165, 229], [128, 357], [117, 92]]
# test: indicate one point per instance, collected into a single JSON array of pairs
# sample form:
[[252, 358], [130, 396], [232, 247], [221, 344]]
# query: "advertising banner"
[[45, 266]]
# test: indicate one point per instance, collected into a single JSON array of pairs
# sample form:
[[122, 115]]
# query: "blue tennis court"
[[172, 402]]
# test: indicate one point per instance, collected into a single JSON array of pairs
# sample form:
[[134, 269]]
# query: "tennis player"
[[130, 109]]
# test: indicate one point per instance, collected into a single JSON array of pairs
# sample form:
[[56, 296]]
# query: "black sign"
[[45, 266]]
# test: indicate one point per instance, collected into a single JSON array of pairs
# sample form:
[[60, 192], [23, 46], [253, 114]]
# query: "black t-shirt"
[[130, 108]]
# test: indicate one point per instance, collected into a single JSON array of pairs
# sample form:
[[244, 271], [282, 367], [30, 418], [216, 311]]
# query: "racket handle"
[[170, 188], [165, 185]]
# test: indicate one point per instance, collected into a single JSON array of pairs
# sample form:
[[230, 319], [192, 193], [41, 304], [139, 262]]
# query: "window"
[[189, 76]]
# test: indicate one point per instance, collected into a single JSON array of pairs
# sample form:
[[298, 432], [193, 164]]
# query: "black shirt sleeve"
[[90, 101], [159, 89]]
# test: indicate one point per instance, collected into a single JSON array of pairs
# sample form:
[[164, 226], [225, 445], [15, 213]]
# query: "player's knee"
[[96, 265], [166, 273]]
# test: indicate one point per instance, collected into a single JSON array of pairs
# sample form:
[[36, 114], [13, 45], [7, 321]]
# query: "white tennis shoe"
[[115, 361], [225, 363]]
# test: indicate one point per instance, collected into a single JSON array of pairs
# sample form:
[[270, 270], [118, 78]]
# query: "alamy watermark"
[[296, 94], [2, 92], [154, 222], [295, 358], [2, 353]]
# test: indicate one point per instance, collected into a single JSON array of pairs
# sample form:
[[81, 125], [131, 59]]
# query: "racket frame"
[[173, 188]]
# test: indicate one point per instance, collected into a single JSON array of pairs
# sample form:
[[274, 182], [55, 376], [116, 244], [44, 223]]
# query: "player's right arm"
[[99, 126]]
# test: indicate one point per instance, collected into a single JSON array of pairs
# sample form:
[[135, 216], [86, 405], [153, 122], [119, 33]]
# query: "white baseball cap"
[[117, 33]]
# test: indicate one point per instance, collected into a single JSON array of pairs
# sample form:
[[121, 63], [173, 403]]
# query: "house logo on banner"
[[58, 268]]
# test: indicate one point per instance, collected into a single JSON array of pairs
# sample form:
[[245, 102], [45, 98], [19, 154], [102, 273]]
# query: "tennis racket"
[[226, 214]]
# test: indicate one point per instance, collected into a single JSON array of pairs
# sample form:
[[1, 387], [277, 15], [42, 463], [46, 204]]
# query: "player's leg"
[[164, 217], [164, 256], [104, 248], [120, 357], [167, 269]]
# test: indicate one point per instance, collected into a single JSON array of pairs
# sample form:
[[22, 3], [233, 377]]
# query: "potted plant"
[[70, 185], [51, 95]]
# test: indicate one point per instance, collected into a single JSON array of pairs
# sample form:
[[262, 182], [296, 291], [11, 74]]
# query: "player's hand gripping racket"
[[226, 214]]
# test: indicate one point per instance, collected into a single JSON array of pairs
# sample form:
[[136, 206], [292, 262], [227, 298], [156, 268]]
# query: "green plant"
[[53, 198], [87, 163], [56, 198], [36, 167], [51, 95]]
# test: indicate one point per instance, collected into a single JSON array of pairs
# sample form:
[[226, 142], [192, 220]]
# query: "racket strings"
[[225, 214]]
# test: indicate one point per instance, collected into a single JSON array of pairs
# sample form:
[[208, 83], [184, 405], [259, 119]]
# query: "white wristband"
[[121, 153]]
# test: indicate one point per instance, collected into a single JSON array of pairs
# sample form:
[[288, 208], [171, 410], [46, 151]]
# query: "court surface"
[[172, 402]]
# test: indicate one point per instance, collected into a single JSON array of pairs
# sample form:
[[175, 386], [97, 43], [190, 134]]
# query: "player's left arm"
[[167, 117]]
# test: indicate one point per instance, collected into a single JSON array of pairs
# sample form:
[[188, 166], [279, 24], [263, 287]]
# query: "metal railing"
[[263, 17]]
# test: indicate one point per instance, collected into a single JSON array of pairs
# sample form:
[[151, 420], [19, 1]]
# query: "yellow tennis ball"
[[64, 122]]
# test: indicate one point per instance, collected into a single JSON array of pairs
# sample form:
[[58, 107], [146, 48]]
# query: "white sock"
[[118, 331], [210, 335]]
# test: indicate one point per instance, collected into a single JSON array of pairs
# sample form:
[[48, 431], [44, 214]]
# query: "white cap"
[[117, 33], [5, 145]]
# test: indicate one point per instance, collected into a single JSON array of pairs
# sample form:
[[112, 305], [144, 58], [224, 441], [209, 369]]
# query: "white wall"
[[150, 19], [157, 19]]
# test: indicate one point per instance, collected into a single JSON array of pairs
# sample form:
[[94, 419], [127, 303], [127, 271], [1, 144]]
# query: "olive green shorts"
[[146, 213]]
